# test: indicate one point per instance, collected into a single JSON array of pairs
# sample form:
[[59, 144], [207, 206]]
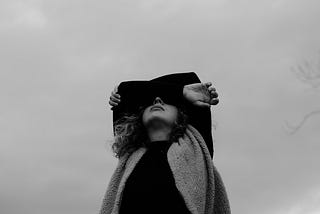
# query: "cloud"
[[308, 204], [22, 14]]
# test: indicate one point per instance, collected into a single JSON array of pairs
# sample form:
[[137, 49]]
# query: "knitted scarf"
[[196, 177]]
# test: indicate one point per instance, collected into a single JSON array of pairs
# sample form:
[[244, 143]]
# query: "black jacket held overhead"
[[135, 94]]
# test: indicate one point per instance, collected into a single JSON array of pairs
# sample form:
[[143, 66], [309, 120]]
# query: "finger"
[[211, 88], [214, 94], [214, 101], [114, 99], [115, 89], [115, 94], [113, 103], [208, 84]]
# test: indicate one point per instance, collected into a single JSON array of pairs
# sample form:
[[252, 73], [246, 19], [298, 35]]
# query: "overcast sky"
[[59, 61]]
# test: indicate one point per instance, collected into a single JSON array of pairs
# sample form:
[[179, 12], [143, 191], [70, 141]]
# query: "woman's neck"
[[159, 135]]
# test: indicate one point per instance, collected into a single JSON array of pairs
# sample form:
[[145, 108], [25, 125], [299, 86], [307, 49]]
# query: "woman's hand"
[[114, 99], [201, 94]]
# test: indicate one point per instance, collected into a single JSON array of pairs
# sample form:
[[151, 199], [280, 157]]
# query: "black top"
[[201, 120], [150, 187]]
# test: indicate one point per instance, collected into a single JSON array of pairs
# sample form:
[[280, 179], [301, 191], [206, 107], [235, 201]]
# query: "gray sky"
[[59, 61]]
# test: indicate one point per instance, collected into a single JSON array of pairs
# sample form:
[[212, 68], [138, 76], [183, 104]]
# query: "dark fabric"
[[201, 120], [150, 187], [138, 93]]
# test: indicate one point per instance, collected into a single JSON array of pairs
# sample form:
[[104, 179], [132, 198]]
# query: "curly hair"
[[130, 133]]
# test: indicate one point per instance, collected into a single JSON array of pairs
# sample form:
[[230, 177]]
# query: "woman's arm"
[[200, 97]]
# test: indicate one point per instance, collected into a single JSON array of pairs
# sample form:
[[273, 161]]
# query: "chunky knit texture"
[[196, 177]]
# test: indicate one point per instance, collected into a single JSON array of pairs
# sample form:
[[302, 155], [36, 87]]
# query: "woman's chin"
[[157, 122]]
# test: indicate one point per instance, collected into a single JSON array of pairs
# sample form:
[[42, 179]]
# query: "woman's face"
[[160, 112]]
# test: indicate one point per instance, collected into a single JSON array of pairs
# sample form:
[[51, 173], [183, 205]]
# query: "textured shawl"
[[195, 175]]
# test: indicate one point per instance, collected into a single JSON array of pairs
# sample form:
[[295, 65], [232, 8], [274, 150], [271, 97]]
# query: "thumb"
[[208, 84], [115, 90], [202, 104]]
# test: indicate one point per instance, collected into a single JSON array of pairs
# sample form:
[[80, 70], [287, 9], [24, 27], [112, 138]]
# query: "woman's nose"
[[158, 100]]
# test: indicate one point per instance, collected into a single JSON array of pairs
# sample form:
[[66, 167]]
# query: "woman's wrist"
[[184, 92]]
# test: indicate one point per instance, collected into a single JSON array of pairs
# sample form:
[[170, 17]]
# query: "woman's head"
[[160, 114], [131, 131]]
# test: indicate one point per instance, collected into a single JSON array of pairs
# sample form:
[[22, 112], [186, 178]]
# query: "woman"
[[160, 122]]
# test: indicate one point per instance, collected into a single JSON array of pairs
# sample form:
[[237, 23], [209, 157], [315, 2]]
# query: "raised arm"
[[200, 97]]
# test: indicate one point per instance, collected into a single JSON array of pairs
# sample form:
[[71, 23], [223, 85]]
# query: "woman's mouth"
[[157, 108]]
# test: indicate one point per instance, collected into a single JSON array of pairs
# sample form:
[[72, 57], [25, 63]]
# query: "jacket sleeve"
[[199, 117]]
